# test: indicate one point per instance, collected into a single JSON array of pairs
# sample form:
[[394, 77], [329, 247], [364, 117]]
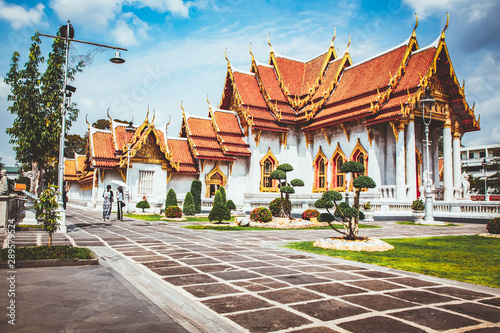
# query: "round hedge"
[[308, 213], [325, 217], [493, 226], [275, 206], [173, 212], [261, 214]]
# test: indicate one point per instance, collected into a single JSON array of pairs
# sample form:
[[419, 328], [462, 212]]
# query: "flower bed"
[[360, 244]]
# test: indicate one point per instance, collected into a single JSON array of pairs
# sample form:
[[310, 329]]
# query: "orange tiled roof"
[[179, 148], [70, 170], [229, 132]]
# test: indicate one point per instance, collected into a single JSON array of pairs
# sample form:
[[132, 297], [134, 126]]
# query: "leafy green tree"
[[349, 216], [103, 124], [37, 103], [219, 210], [223, 193], [75, 144], [171, 199], [188, 205], [47, 206], [196, 192], [285, 187]]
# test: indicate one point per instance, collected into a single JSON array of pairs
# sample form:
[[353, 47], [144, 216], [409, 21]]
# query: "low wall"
[[10, 207]]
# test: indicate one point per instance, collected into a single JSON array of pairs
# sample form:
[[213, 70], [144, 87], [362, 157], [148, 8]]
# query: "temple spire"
[[446, 26]]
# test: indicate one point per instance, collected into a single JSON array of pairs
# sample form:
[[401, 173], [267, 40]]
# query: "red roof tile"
[[270, 81], [179, 148], [249, 90], [417, 66]]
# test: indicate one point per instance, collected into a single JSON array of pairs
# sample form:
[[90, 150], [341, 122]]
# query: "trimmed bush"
[[188, 207], [418, 205], [230, 205], [325, 217], [171, 199], [173, 212], [196, 192], [143, 204], [219, 211], [223, 194], [308, 213], [493, 226], [275, 206], [261, 214]]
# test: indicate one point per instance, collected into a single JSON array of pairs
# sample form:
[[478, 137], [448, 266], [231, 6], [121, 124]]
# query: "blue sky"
[[176, 48]]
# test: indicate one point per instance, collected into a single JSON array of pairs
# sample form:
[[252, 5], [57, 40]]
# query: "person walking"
[[108, 201], [120, 203]]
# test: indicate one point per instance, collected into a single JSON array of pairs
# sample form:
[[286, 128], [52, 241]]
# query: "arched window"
[[267, 165], [360, 155], [213, 180], [320, 170], [338, 178]]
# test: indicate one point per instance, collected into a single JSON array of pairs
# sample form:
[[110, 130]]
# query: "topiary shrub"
[[171, 199], [219, 210], [418, 205], [173, 212], [143, 204], [261, 214], [230, 205], [308, 213], [275, 206], [196, 192], [188, 207], [493, 226], [222, 191], [325, 217]]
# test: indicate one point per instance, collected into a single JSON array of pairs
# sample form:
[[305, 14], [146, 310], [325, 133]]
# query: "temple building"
[[314, 115]]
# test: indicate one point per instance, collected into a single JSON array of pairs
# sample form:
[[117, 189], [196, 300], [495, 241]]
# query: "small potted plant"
[[367, 208], [418, 210]]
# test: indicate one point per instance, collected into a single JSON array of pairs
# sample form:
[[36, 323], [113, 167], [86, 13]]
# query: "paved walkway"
[[210, 281]]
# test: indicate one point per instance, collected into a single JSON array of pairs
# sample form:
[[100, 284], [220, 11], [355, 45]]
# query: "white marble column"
[[447, 162], [373, 161], [457, 164], [400, 163], [411, 168]]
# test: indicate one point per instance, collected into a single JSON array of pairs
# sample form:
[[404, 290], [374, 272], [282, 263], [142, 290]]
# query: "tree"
[[36, 101], [349, 216], [188, 205], [196, 192], [223, 194], [143, 204], [285, 187], [46, 206], [219, 210], [75, 144], [230, 205], [103, 124], [171, 199]]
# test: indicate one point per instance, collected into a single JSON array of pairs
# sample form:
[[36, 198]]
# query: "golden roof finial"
[[169, 120], [334, 35], [86, 119], [208, 101], [182, 108], [416, 25], [250, 50], [463, 86], [108, 115], [147, 115], [269, 42], [348, 44], [153, 120], [446, 26], [225, 56]]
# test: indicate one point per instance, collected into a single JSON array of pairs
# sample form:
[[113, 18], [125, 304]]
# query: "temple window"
[[213, 180], [338, 177], [360, 155], [320, 167], [267, 165], [145, 182]]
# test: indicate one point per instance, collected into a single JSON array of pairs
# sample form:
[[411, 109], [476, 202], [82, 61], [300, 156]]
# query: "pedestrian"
[[108, 201], [120, 204]]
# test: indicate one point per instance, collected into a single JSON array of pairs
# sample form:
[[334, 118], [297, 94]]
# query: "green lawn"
[[473, 259], [45, 252], [237, 228], [156, 217]]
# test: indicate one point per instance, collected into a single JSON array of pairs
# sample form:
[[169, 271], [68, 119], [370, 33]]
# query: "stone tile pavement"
[[210, 281]]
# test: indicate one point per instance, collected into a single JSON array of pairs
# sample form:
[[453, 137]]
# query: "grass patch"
[[38, 226], [432, 225], [45, 252], [157, 218], [472, 259], [226, 227]]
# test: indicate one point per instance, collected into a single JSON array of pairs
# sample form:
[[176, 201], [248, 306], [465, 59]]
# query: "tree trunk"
[[50, 239]]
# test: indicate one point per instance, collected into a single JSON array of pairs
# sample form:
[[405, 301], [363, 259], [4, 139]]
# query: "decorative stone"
[[360, 244], [490, 235]]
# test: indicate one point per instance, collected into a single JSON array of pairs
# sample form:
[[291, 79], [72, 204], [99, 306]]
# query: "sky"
[[176, 49]]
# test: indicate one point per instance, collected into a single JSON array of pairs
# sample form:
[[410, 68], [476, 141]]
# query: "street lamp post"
[[484, 164], [67, 33], [426, 102]]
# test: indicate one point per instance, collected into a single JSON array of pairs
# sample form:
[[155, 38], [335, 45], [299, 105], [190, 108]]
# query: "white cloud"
[[130, 30], [18, 16], [177, 7], [426, 8], [94, 14]]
